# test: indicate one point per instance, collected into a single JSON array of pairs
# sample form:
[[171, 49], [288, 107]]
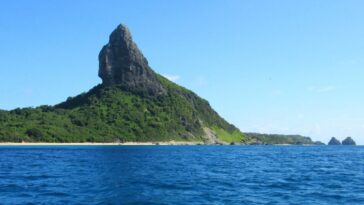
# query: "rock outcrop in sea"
[[334, 141], [319, 143], [122, 63], [348, 141]]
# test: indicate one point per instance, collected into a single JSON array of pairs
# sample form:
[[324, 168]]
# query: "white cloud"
[[172, 78], [321, 89]]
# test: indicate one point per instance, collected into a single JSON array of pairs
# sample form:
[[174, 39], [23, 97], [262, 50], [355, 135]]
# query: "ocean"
[[182, 175]]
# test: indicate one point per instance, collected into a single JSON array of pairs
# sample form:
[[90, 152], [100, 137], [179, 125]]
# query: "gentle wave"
[[182, 175]]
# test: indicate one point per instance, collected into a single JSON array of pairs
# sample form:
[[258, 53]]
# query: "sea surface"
[[182, 175]]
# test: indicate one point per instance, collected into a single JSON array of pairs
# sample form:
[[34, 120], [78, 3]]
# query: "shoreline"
[[168, 143], [97, 143]]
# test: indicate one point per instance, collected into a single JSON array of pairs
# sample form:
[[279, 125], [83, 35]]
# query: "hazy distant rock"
[[348, 141], [319, 143], [122, 63], [258, 138], [334, 141]]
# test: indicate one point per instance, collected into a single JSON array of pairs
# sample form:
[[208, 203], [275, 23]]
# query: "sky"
[[283, 66]]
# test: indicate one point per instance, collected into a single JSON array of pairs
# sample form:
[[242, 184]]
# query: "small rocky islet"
[[346, 141], [334, 141]]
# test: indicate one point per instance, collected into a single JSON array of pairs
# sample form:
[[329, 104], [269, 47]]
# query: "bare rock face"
[[334, 141], [348, 141], [122, 63]]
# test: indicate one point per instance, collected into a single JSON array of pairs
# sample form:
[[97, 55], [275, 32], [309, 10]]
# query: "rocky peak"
[[122, 63], [334, 141], [348, 141]]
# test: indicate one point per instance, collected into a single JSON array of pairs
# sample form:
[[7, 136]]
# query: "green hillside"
[[112, 113], [281, 139]]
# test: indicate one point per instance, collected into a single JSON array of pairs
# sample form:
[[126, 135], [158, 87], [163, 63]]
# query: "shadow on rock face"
[[122, 63]]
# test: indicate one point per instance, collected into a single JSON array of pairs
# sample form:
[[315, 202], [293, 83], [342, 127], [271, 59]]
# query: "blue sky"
[[291, 67]]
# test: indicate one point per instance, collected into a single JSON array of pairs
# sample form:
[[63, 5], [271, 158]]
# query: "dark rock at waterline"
[[334, 141], [348, 141], [319, 143]]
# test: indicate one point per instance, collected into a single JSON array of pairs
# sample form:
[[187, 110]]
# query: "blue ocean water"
[[182, 175]]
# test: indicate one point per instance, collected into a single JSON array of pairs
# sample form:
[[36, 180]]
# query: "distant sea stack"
[[334, 141], [348, 141]]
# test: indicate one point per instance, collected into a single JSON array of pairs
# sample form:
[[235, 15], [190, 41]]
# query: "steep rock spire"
[[122, 63]]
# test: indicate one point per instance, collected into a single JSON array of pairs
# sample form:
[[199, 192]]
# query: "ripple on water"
[[182, 175]]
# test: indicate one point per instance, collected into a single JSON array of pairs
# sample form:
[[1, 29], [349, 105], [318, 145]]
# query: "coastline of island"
[[97, 143], [169, 143]]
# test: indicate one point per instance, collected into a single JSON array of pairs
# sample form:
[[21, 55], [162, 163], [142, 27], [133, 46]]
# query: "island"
[[132, 105], [334, 141], [348, 141], [279, 139]]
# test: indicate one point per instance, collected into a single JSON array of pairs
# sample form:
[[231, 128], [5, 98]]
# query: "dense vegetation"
[[112, 113], [281, 139]]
